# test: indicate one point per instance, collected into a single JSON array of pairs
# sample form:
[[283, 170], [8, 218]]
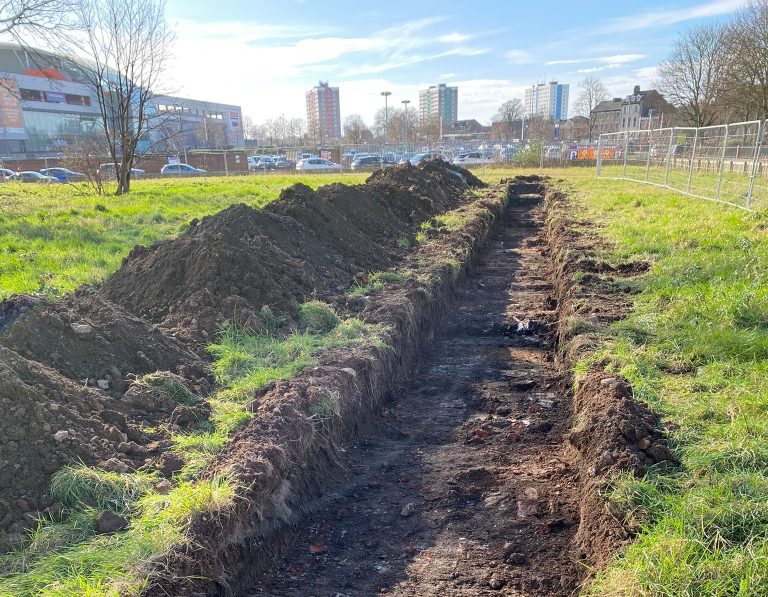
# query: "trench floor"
[[463, 486]]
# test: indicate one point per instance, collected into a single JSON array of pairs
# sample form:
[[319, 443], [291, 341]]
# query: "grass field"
[[55, 238], [696, 349]]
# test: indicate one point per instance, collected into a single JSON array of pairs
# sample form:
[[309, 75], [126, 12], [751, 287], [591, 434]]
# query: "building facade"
[[323, 112], [47, 106], [549, 100], [639, 110], [178, 124], [439, 102]]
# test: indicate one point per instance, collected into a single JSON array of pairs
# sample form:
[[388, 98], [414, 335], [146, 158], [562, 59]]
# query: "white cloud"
[[662, 18], [518, 57], [611, 60]]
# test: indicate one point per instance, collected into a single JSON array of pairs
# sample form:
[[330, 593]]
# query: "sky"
[[263, 56]]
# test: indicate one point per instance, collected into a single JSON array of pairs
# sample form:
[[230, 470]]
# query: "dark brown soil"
[[69, 367], [465, 485]]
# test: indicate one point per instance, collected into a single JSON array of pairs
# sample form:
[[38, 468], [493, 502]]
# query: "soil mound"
[[307, 243], [104, 375], [89, 339]]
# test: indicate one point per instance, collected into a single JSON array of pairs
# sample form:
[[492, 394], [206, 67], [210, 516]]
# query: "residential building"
[[439, 102], [178, 124], [323, 112], [606, 117], [575, 129], [640, 110], [467, 130], [645, 109], [549, 100]]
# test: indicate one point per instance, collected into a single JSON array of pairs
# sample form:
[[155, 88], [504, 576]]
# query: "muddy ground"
[[464, 486]]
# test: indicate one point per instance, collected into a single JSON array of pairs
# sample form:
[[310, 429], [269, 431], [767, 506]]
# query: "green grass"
[[245, 362], [70, 558], [55, 238], [696, 349]]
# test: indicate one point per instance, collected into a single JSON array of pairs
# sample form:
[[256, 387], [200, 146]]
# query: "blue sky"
[[264, 55]]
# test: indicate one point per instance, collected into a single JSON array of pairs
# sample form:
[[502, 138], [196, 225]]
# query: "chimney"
[[637, 89]]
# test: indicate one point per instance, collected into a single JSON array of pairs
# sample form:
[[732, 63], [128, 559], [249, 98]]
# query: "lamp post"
[[386, 94], [405, 123]]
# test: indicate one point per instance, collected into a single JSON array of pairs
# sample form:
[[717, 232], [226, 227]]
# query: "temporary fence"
[[725, 163]]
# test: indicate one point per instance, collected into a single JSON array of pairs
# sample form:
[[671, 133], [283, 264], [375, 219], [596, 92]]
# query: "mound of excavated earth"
[[69, 368]]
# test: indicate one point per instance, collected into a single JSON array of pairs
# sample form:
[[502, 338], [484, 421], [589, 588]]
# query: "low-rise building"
[[639, 110]]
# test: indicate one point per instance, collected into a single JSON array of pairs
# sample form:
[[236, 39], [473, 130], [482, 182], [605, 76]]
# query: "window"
[[31, 95]]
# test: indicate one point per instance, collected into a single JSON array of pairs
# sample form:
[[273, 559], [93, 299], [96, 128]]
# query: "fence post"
[[626, 150], [755, 159], [226, 167], [648, 160], [690, 165], [599, 156], [669, 156], [722, 161]]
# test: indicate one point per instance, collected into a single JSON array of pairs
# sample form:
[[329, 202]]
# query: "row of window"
[[187, 110], [54, 97]]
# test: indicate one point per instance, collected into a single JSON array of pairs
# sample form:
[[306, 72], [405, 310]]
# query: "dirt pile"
[[307, 243], [77, 375]]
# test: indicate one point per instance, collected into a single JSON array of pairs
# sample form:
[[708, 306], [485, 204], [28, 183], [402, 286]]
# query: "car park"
[[32, 176], [6, 173], [181, 170], [471, 157], [318, 165], [422, 157], [371, 162], [106, 170], [63, 174]]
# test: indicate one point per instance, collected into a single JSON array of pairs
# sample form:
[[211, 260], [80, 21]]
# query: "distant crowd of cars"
[[65, 175]]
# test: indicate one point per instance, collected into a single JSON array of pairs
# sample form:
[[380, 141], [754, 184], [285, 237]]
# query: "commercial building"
[[177, 124], [439, 102], [549, 100], [323, 112], [46, 106], [44, 103]]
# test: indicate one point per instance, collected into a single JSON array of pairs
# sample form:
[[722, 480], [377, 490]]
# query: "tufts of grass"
[[70, 559], [377, 281], [170, 388], [80, 485], [317, 318]]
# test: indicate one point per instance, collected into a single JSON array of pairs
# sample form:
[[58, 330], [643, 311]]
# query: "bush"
[[318, 318]]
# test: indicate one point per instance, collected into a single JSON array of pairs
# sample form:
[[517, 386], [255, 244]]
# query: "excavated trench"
[[464, 484]]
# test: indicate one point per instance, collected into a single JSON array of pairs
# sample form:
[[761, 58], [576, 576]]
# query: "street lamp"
[[405, 123], [386, 94]]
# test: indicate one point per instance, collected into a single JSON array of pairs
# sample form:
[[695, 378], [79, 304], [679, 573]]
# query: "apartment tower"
[[549, 100], [323, 114], [439, 101]]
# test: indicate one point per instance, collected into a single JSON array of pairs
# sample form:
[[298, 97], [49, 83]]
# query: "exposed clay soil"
[[68, 367]]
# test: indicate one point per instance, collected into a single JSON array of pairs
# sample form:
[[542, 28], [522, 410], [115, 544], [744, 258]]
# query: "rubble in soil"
[[73, 371]]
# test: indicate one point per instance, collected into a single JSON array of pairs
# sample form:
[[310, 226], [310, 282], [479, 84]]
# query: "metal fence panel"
[[727, 163]]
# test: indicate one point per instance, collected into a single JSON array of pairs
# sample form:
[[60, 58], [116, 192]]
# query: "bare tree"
[[355, 129], [249, 129], [748, 51], [26, 20], [509, 113], [84, 154], [695, 76], [127, 43], [591, 92]]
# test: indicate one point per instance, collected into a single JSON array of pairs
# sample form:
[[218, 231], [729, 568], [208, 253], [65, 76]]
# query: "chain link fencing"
[[725, 163]]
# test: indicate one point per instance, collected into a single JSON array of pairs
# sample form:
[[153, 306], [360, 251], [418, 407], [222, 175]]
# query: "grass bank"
[[696, 349]]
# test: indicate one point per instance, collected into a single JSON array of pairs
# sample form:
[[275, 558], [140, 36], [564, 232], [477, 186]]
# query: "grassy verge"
[[696, 349], [55, 238]]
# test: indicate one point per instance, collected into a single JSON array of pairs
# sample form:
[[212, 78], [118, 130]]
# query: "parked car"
[[108, 170], [422, 157], [181, 170], [318, 165], [369, 162], [471, 157], [283, 163], [6, 173], [32, 176], [63, 174]]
